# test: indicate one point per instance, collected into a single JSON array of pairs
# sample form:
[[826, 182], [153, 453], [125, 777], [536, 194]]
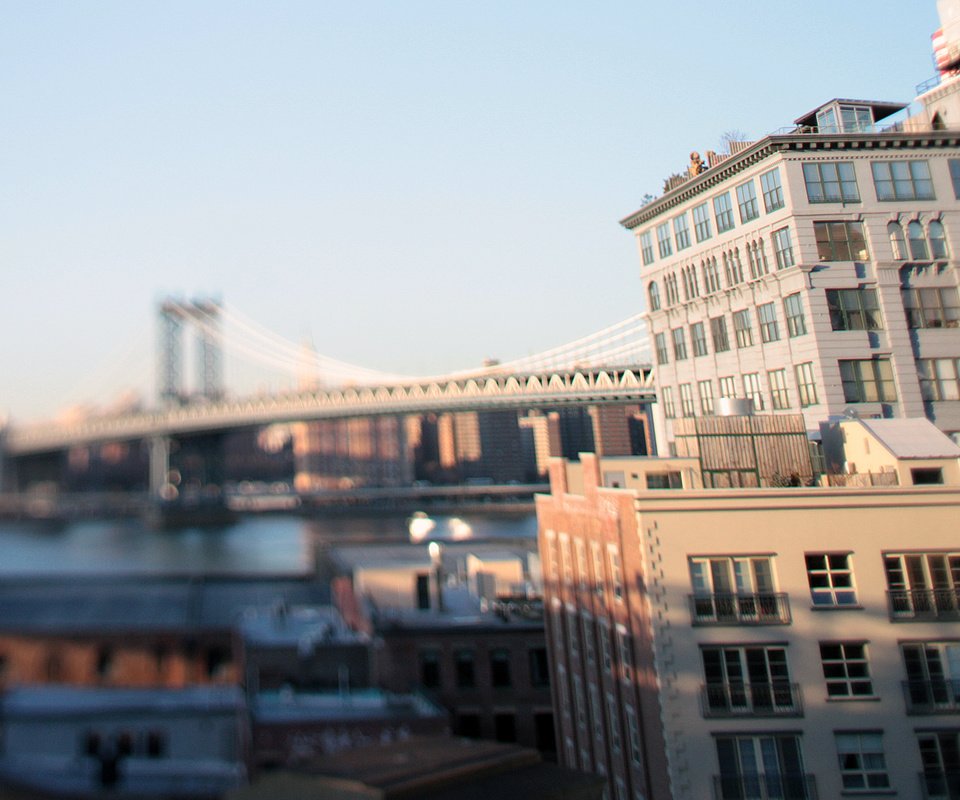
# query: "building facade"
[[813, 271], [754, 643]]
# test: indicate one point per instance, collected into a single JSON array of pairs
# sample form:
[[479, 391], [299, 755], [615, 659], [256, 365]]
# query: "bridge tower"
[[203, 317]]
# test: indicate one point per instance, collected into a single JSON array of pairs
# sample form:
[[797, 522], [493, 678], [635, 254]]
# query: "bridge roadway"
[[490, 391]]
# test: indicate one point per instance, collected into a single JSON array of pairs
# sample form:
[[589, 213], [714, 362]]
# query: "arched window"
[[897, 244], [726, 269], [938, 242], [918, 242], [653, 293], [694, 285], [761, 258]]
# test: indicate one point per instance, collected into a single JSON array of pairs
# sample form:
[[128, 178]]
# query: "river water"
[[254, 545]]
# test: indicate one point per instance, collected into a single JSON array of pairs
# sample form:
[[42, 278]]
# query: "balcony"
[[924, 604], [939, 785], [765, 787], [740, 609], [932, 696], [779, 699]]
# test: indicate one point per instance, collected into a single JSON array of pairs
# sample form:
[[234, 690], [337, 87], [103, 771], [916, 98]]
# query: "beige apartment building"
[[814, 270], [754, 642]]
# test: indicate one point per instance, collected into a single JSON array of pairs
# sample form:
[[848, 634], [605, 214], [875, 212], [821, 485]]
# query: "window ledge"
[[868, 793], [856, 607], [867, 698]]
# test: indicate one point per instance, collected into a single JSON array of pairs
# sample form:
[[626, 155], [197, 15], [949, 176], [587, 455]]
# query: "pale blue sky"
[[414, 185]]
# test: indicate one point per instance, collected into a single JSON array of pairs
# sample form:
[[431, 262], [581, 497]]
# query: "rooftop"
[[133, 605], [283, 706], [283, 625], [62, 701], [912, 438]]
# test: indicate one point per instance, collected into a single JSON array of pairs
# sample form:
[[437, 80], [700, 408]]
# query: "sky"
[[411, 186]]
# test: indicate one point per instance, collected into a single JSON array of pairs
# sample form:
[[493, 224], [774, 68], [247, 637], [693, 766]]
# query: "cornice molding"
[[788, 143]]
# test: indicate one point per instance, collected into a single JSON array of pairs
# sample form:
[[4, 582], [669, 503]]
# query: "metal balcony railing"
[[932, 696], [940, 785], [740, 609], [788, 786], [777, 699], [924, 604]]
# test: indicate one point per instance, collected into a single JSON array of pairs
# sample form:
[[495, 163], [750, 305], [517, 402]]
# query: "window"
[[633, 732], [741, 325], [728, 387], [701, 222], [923, 585], [711, 275], [718, 332], [468, 725], [840, 241], [845, 669], [723, 211], [763, 765], [679, 344], [673, 295], [616, 574], [868, 381], [831, 182], [862, 765], [156, 744], [105, 663], [772, 192], [898, 244], [937, 239], [705, 389], [778, 388], [747, 680], [653, 294], [698, 336], [669, 409], [663, 240], [902, 180], [430, 669], [854, 310], [747, 201], [660, 344], [955, 176], [625, 653], [831, 579], [758, 258], [686, 400], [933, 676], [597, 569], [681, 232], [769, 329], [505, 727], [926, 476], [613, 722], [464, 663], [932, 308], [734, 590], [940, 756], [646, 248], [605, 653], [806, 384], [500, 668], [782, 248], [751, 390], [939, 378], [664, 480], [793, 311], [917, 242]]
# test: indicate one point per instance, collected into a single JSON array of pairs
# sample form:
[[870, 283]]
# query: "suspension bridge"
[[607, 366]]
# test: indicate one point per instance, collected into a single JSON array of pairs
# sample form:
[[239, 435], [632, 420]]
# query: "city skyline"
[[387, 183]]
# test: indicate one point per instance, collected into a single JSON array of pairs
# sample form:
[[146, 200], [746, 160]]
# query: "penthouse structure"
[[814, 270]]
